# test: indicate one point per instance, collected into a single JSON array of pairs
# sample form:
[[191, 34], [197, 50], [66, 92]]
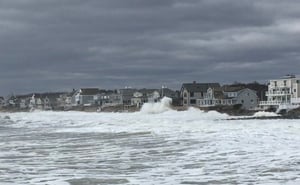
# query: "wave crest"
[[158, 107]]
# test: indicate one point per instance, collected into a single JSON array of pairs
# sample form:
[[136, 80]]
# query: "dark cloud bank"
[[55, 45]]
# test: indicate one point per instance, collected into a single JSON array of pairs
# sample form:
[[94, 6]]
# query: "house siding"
[[248, 99]]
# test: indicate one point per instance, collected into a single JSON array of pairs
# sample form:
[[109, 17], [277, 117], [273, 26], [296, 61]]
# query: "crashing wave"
[[158, 107]]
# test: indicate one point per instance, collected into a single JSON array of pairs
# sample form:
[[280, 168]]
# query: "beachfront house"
[[142, 96], [138, 99], [283, 93], [174, 95], [23, 104], [150, 95], [245, 97], [126, 95], [109, 98], [11, 101], [191, 92], [212, 97], [228, 96], [64, 101], [19, 101], [41, 101], [85, 97]]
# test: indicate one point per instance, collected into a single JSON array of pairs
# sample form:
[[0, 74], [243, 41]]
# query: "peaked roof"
[[200, 87], [230, 88], [147, 91], [89, 91]]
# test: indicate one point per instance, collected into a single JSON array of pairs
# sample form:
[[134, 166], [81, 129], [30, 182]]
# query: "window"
[[184, 102], [295, 90], [192, 94], [275, 83], [193, 101], [284, 82], [185, 94], [242, 101]]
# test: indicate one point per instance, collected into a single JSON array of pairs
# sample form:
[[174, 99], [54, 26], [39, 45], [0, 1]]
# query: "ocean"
[[147, 147]]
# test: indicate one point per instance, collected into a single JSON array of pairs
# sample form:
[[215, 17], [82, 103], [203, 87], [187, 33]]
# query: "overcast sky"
[[54, 45]]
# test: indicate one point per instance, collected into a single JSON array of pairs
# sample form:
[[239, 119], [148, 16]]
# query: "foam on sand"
[[265, 114]]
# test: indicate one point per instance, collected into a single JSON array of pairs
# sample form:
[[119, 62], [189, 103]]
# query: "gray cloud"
[[64, 44]]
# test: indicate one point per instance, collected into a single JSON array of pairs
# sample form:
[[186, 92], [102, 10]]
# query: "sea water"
[[147, 147]]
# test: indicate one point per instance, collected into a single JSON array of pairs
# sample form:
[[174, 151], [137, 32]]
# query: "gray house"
[[190, 92], [126, 95], [85, 97], [247, 98], [228, 96], [109, 98]]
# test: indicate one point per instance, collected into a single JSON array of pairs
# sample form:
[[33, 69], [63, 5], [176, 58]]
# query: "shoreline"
[[236, 114]]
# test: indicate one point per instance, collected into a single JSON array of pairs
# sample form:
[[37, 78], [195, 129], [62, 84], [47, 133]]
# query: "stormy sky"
[[56, 45]]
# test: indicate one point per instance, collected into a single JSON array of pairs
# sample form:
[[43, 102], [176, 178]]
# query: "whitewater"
[[157, 145]]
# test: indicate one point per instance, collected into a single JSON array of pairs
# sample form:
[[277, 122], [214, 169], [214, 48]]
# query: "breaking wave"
[[159, 107]]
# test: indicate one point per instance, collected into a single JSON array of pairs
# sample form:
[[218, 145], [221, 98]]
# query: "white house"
[[137, 99], [145, 95], [283, 93]]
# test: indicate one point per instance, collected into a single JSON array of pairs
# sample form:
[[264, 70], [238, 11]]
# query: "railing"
[[295, 100], [273, 102], [277, 93]]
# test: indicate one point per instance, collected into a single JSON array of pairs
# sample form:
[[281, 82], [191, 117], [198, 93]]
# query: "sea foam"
[[158, 107], [265, 114]]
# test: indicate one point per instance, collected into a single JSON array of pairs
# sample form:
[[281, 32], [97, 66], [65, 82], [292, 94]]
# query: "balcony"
[[270, 103], [278, 93], [295, 100]]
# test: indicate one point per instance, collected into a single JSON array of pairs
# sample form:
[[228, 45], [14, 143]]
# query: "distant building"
[[283, 93], [174, 95], [126, 95], [85, 97], [11, 101], [190, 92], [260, 89], [142, 96], [138, 99], [227, 96], [41, 101], [64, 101], [109, 98], [245, 97], [150, 95]]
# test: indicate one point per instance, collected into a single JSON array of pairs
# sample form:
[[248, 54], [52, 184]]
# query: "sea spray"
[[158, 107], [57, 147], [265, 114]]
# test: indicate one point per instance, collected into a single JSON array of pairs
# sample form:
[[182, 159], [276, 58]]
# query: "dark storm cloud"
[[54, 45]]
